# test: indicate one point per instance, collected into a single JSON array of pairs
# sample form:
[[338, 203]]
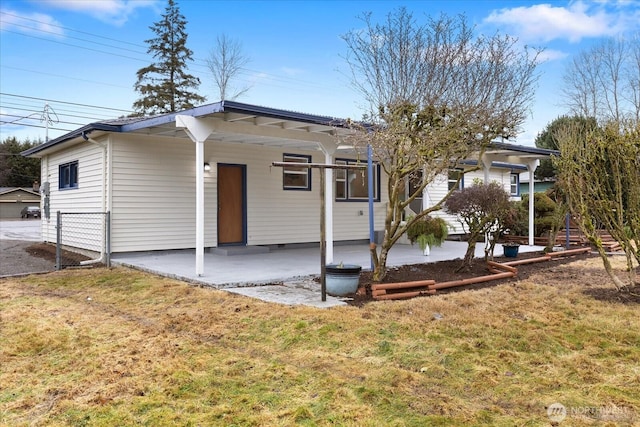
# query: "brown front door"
[[231, 204]]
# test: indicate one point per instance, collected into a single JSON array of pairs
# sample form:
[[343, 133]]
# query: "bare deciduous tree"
[[604, 81], [436, 94], [225, 62]]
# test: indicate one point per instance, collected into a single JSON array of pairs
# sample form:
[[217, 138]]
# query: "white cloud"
[[551, 55], [115, 12], [545, 22], [30, 23]]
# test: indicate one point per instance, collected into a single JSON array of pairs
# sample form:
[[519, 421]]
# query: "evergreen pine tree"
[[15, 170], [165, 85]]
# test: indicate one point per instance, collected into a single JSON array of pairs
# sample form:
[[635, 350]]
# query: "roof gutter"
[[79, 133]]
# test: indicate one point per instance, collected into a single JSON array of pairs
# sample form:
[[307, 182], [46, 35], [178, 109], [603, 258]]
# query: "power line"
[[64, 77], [77, 38], [74, 45], [199, 62], [38, 126], [27, 117], [18, 117], [61, 111], [65, 102]]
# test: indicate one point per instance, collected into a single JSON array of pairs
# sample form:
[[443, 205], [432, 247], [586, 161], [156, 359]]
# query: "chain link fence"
[[83, 239]]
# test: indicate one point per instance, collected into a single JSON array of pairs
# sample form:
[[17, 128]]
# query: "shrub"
[[431, 231]]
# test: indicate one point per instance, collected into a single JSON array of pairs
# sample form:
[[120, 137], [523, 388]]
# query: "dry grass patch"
[[120, 347]]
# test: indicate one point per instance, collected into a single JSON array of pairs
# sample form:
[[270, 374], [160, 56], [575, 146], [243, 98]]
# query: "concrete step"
[[239, 250]]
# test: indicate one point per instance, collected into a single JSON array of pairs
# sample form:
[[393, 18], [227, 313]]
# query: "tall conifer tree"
[[165, 86]]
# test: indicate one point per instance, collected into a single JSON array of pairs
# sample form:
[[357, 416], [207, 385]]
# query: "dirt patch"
[[445, 271], [19, 257], [47, 251]]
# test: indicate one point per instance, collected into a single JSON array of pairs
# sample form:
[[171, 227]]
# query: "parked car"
[[30, 212]]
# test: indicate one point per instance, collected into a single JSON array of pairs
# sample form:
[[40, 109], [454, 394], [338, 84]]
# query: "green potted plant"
[[427, 232]]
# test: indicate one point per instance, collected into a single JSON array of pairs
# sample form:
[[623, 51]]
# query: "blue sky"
[[80, 57]]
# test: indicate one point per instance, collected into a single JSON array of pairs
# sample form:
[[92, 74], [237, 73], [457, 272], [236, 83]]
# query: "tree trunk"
[[381, 267], [469, 255], [619, 284]]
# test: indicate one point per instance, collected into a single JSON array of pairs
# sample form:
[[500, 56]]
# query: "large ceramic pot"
[[342, 279]]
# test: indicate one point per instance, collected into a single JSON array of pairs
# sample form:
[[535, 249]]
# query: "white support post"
[[199, 208], [198, 130], [486, 161], [531, 167]]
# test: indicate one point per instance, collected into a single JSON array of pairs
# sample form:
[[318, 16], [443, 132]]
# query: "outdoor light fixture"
[[207, 167]]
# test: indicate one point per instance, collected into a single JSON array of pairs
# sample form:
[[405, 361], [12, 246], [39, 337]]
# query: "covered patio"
[[285, 276], [245, 124]]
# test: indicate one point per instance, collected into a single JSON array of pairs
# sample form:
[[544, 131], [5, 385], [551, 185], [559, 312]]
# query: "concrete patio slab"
[[283, 276]]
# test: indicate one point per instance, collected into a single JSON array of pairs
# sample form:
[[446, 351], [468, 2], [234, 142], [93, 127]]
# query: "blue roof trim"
[[119, 125], [523, 149], [501, 165], [134, 123], [164, 119], [237, 107], [103, 126]]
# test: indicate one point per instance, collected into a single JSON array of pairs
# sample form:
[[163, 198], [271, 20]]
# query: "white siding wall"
[[438, 189], [153, 196], [276, 216], [86, 198]]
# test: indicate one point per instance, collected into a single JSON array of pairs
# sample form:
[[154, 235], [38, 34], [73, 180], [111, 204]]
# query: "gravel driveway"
[[15, 238]]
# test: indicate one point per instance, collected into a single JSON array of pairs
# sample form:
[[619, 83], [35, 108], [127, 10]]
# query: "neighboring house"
[[203, 178], [538, 186], [14, 199]]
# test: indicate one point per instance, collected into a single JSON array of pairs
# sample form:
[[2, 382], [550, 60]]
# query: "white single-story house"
[[203, 178]]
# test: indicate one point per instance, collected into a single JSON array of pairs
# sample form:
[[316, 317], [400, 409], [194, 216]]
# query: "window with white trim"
[[353, 184], [514, 184], [296, 177], [68, 176], [452, 179]]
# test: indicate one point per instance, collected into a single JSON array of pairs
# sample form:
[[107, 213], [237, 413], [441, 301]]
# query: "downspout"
[[103, 255]]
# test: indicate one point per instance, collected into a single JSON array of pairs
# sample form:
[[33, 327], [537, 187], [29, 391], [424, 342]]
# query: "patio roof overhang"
[[233, 122]]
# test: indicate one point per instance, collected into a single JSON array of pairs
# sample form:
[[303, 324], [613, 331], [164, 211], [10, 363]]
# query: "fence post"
[[107, 235], [58, 241]]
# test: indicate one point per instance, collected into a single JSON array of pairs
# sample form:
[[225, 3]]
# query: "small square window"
[[296, 177], [515, 184], [454, 175], [68, 176]]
